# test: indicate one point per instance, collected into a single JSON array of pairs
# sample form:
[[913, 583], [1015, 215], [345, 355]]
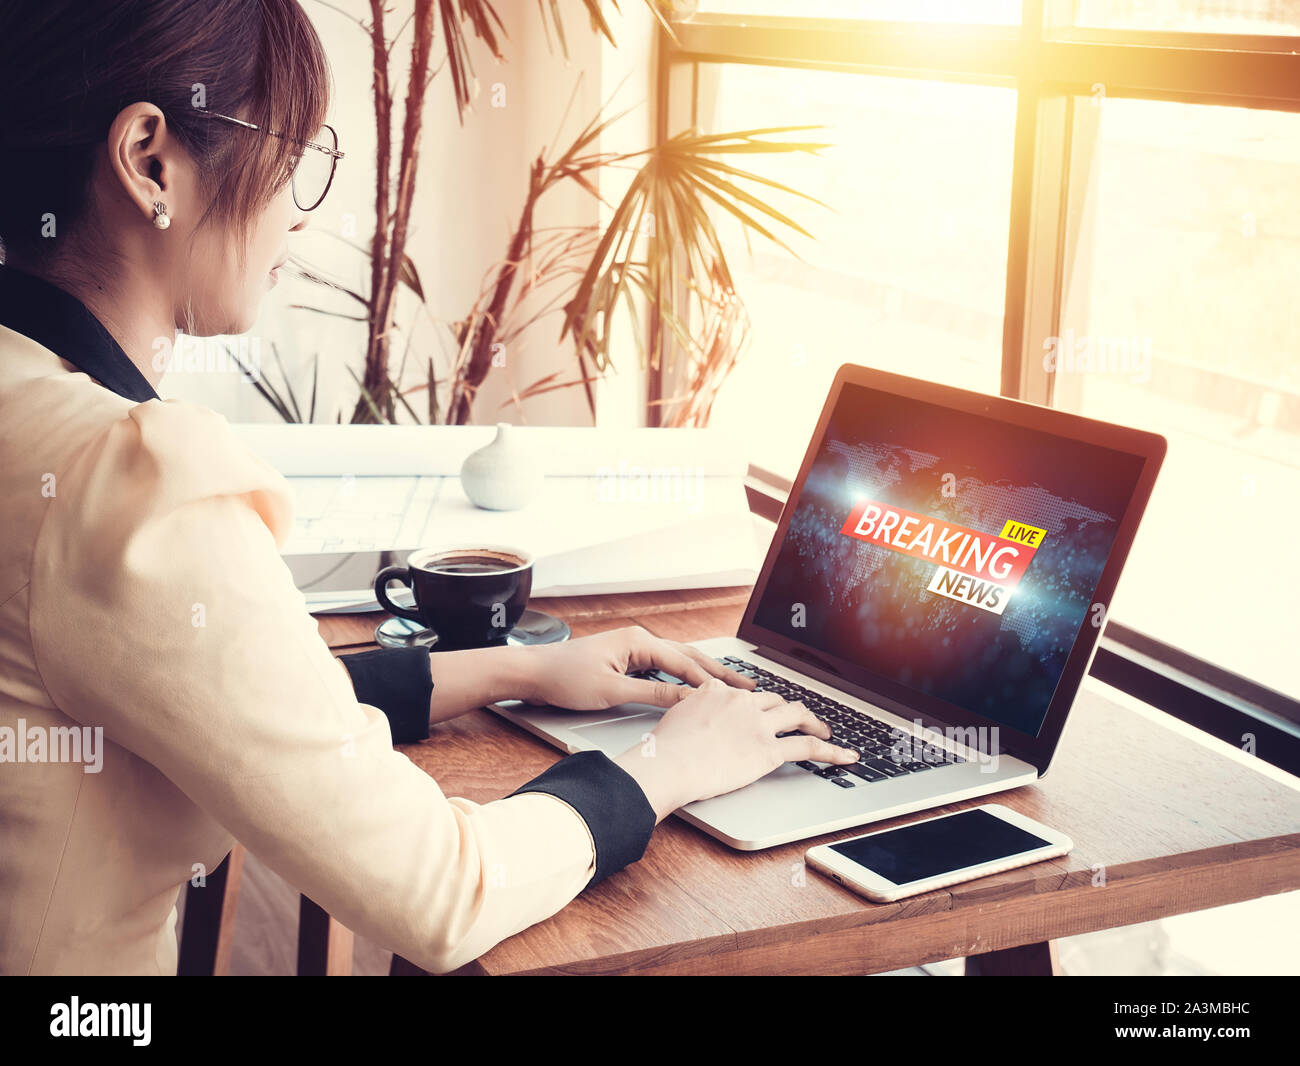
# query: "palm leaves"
[[680, 254], [282, 398], [681, 251], [661, 249]]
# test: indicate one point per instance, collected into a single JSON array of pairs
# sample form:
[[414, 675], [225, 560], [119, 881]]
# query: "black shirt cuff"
[[397, 681], [610, 801]]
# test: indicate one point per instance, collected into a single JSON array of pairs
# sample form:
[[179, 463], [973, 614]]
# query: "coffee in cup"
[[471, 596]]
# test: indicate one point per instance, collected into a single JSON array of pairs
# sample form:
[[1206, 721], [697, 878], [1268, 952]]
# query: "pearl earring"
[[160, 216]]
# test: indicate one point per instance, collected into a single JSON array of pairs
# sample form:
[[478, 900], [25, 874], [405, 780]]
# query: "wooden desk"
[[1161, 826]]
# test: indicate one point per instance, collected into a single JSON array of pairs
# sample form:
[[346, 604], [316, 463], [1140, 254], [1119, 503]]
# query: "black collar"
[[56, 319]]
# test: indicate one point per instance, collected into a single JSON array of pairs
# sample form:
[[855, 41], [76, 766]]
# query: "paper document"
[[616, 518]]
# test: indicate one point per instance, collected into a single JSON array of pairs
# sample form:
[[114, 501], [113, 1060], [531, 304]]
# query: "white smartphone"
[[933, 853]]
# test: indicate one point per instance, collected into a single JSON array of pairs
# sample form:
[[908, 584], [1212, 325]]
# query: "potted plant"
[[660, 242]]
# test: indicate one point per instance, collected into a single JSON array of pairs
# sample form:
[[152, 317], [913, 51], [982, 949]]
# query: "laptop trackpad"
[[616, 736]]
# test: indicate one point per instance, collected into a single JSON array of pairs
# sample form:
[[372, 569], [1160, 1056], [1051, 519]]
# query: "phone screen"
[[939, 846]]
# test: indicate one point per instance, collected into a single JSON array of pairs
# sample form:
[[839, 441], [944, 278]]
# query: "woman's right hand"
[[720, 738]]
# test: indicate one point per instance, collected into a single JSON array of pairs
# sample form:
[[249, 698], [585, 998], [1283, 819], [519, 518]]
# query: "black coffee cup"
[[470, 595]]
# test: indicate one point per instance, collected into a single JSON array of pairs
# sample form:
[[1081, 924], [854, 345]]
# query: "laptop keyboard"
[[872, 739]]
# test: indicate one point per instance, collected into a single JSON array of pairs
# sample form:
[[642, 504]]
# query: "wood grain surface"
[[355, 631], [1161, 825]]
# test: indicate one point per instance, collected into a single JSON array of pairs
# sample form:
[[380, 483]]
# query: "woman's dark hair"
[[67, 67]]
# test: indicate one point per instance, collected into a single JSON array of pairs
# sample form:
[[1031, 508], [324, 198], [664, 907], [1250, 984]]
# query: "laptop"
[[935, 590]]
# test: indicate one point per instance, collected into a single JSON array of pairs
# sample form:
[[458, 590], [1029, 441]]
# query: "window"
[[1013, 178], [907, 271], [1180, 317], [997, 11], [1199, 16]]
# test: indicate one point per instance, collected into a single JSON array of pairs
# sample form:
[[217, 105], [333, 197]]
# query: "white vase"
[[503, 475]]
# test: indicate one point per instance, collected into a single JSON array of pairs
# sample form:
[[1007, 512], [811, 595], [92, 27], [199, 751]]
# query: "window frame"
[[1056, 69]]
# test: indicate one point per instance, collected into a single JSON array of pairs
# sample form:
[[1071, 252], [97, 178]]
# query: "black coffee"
[[470, 597], [471, 564]]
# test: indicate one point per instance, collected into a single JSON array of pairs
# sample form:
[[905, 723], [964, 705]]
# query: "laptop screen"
[[949, 552]]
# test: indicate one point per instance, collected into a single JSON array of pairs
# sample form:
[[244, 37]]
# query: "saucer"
[[533, 627]]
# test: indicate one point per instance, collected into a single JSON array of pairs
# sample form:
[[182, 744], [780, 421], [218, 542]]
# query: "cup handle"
[[395, 573]]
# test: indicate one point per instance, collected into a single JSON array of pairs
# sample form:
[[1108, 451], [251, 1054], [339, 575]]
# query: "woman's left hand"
[[590, 673]]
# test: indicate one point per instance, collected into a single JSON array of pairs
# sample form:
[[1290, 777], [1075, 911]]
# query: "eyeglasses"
[[313, 171]]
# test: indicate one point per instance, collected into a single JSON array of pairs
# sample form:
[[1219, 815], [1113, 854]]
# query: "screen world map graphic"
[[866, 601]]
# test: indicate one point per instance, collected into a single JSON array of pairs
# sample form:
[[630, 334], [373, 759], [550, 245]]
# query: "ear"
[[143, 156]]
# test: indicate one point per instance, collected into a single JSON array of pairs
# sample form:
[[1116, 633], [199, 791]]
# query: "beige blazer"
[[142, 594]]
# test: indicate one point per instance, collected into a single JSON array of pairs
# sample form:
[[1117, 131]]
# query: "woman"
[[154, 162]]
